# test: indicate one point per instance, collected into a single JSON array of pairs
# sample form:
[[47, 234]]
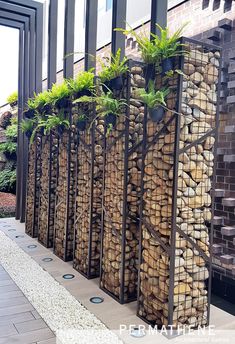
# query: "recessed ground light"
[[96, 299], [6, 226], [47, 259], [11, 230], [68, 276], [138, 332], [32, 246], [19, 236]]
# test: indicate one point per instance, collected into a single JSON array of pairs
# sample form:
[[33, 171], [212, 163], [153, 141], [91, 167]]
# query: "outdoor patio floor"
[[111, 313]]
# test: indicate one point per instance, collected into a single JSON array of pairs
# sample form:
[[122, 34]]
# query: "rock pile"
[[33, 188], [46, 216], [121, 199], [88, 200], [184, 248], [65, 195]]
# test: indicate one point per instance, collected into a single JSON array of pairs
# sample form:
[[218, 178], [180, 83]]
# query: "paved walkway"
[[19, 321]]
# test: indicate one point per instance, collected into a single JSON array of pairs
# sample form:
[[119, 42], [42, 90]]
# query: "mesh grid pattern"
[[177, 201], [88, 199]]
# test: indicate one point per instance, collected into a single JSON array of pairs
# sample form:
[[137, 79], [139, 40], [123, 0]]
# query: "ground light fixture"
[[68, 276], [19, 236], [137, 332], [96, 299], [47, 259], [32, 246]]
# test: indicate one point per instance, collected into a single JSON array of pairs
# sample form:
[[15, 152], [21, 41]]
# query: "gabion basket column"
[[49, 152], [33, 187], [121, 187], [65, 193], [88, 196], [177, 205]]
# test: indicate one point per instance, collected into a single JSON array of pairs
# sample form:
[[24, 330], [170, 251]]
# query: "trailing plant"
[[83, 82], [153, 98], [113, 67], [8, 147], [55, 121], [12, 99], [8, 180], [107, 106]]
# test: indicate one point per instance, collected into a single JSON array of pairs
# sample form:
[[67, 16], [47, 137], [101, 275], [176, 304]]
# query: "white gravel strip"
[[72, 322]]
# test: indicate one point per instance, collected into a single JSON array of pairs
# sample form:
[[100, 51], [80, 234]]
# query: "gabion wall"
[[65, 194], [33, 188], [178, 170], [121, 196], [88, 196], [49, 151]]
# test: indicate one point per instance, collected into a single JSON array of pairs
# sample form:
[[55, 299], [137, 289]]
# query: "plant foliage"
[[84, 81], [8, 147], [159, 46], [8, 180], [12, 129], [113, 67], [153, 98], [12, 98], [59, 92]]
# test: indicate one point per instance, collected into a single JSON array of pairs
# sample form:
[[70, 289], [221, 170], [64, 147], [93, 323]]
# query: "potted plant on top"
[[43, 101], [155, 101], [169, 47], [83, 85], [111, 75], [107, 106], [60, 95], [13, 99]]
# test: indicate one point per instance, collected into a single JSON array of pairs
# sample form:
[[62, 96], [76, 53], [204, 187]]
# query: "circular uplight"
[[32, 246], [137, 332], [68, 276], [19, 236], [47, 259], [96, 299]]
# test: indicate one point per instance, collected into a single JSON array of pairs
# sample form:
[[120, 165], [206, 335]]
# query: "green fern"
[[113, 67], [153, 98], [84, 81], [8, 147], [59, 92]]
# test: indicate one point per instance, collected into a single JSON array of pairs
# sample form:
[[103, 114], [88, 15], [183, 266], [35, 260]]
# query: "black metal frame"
[[127, 152], [30, 76], [94, 131], [67, 230], [170, 249], [90, 33], [69, 38]]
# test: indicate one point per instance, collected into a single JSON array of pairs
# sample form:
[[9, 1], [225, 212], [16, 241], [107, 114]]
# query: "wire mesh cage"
[[88, 207], [49, 151], [33, 187], [176, 205], [65, 191], [121, 188]]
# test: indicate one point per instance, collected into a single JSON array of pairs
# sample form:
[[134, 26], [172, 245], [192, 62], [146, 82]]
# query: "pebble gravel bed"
[[68, 318]]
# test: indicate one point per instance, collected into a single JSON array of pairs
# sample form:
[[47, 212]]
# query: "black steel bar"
[[211, 237], [174, 200], [68, 188], [52, 43], [118, 21], [200, 139], [69, 38], [90, 33], [158, 15], [125, 184]]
